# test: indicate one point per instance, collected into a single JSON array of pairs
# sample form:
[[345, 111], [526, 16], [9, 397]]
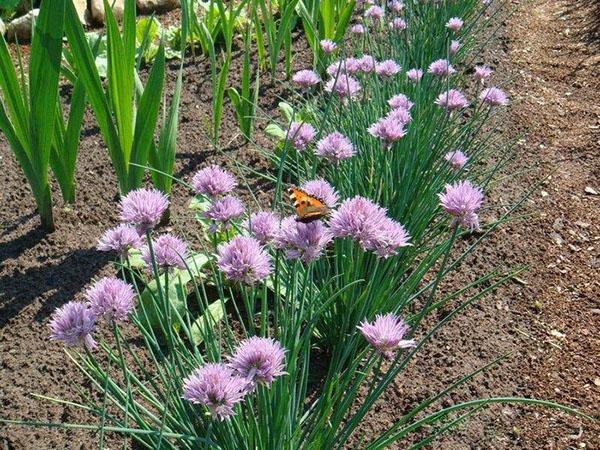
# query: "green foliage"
[[28, 112], [126, 118]]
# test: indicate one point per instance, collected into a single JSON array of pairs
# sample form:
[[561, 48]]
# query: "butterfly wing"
[[308, 208]]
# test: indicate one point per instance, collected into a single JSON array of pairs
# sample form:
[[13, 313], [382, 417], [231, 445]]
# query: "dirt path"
[[554, 51]]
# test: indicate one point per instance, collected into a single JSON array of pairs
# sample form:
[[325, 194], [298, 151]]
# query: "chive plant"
[[28, 111]]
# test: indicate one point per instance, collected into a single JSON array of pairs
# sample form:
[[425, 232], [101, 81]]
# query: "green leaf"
[[275, 131], [211, 317], [145, 123]]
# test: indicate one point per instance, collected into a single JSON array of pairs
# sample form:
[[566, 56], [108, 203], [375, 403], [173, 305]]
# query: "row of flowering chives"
[[349, 157]]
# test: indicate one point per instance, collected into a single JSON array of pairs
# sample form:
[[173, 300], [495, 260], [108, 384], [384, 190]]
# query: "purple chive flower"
[[263, 225], [454, 47], [300, 135], [258, 360], [398, 23], [454, 24], [217, 387], [357, 28], [414, 75], [322, 190], [389, 129], [213, 181], [375, 13], [391, 236], [119, 239], [243, 259], [360, 219], [306, 78], [344, 86], [401, 115], [367, 63], [348, 66], [396, 6], [400, 101], [223, 211], [452, 100], [328, 46], [462, 200], [303, 241], [386, 334], [169, 252], [335, 147], [494, 97], [456, 159], [111, 297], [143, 208], [365, 222], [73, 324], [441, 68], [482, 73], [387, 68]]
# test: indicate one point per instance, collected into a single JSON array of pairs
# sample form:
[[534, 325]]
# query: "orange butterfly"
[[308, 208]]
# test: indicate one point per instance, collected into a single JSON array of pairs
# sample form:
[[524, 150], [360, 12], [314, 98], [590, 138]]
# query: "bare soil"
[[548, 57]]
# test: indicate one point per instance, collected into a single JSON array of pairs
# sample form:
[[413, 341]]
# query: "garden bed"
[[41, 272]]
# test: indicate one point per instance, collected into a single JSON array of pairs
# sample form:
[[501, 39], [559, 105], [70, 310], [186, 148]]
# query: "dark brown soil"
[[549, 55]]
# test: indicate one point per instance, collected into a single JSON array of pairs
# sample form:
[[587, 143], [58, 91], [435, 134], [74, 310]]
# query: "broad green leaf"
[[211, 318]]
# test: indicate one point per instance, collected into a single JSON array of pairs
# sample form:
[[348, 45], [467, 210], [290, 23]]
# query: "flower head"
[[375, 13], [243, 259], [111, 297], [494, 96], [306, 78], [455, 24], [482, 73], [213, 181], [73, 324], [258, 360], [300, 135], [414, 75], [143, 208], [456, 159], [400, 101], [335, 147], [441, 68], [401, 115], [322, 190], [344, 86], [387, 68], [389, 129], [365, 222], [398, 23], [217, 387], [303, 241], [396, 6], [348, 66], [328, 46], [451, 100], [454, 47], [169, 252], [357, 28], [386, 334], [223, 211], [263, 225], [391, 236], [367, 63], [462, 200], [119, 239]]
